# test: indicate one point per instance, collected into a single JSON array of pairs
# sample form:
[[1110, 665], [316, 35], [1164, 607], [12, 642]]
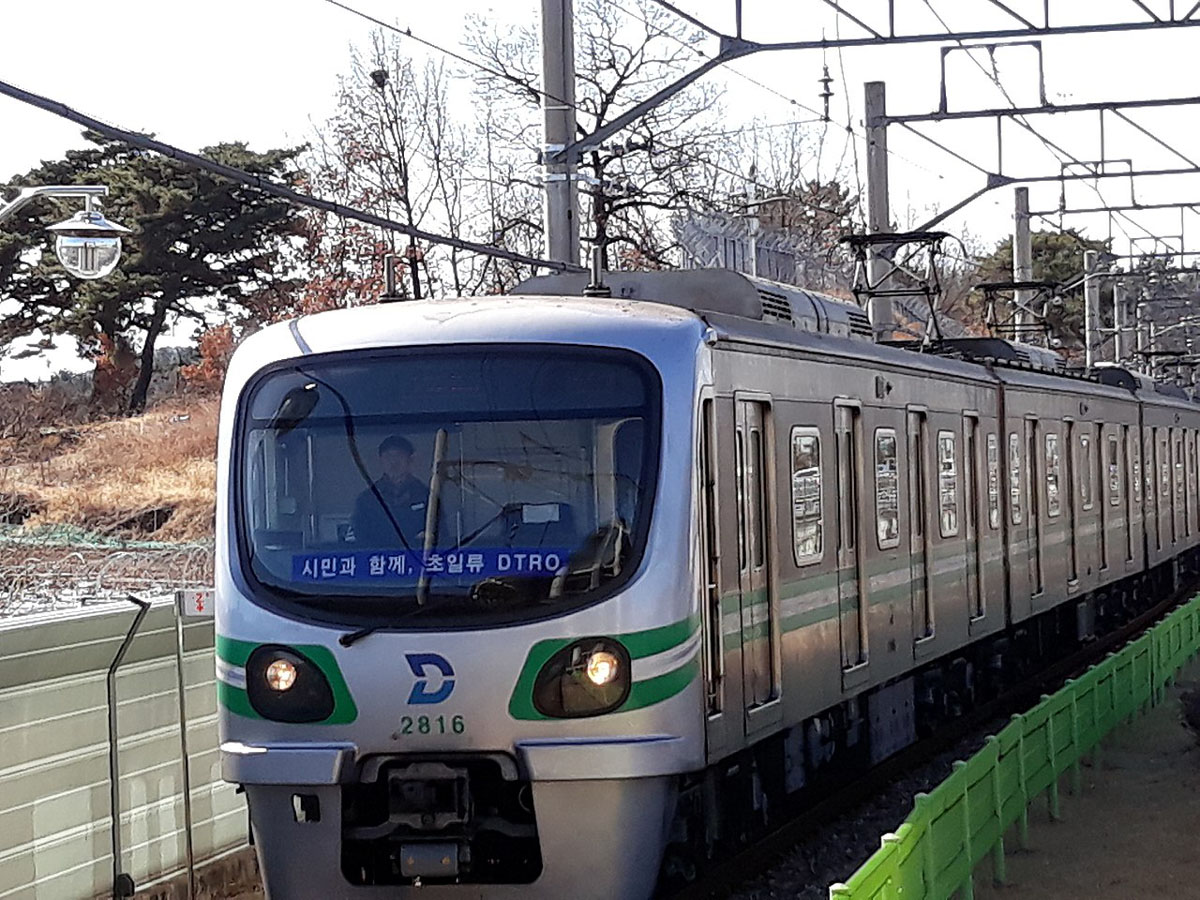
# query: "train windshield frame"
[[459, 486]]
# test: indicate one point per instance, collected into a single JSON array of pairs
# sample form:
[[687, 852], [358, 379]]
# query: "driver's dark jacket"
[[407, 502]]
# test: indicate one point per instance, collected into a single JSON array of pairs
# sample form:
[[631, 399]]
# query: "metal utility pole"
[[753, 222], [1118, 321], [1142, 325], [1022, 259], [558, 104], [1091, 306], [1151, 350], [878, 215]]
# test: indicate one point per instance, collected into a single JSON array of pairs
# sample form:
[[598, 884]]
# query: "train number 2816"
[[432, 725]]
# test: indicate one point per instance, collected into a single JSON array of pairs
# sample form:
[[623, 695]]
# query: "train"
[[557, 593]]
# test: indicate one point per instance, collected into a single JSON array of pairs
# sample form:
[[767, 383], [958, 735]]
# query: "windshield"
[[477, 483]]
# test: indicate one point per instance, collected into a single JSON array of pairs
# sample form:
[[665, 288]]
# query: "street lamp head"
[[87, 244]]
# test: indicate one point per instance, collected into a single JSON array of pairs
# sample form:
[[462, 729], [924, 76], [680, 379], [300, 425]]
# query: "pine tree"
[[200, 245]]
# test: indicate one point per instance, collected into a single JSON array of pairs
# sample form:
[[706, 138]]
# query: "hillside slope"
[[146, 477]]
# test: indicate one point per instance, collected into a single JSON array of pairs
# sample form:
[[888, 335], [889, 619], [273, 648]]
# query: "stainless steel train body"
[[793, 547]]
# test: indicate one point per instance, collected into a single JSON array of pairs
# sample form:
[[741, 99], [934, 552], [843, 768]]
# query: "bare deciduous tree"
[[660, 165]]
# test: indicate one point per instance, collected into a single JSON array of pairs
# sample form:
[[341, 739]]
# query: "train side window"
[[947, 484], [1135, 477], [1053, 476], [887, 496], [993, 481], [1164, 464], [1014, 476], [1178, 460], [757, 471], [1114, 472], [1085, 470], [808, 541]]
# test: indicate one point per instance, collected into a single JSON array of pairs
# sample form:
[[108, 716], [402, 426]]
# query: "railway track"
[[722, 877]]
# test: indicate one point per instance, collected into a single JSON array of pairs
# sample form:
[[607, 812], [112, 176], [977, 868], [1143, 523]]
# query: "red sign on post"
[[195, 604]]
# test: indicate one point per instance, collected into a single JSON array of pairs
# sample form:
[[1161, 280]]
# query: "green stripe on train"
[[640, 644], [237, 653]]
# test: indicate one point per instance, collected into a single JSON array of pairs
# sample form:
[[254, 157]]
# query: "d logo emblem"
[[421, 663]]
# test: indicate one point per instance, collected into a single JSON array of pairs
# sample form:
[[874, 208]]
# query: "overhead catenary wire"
[[849, 126], [1055, 150], [142, 142], [481, 66], [851, 138]]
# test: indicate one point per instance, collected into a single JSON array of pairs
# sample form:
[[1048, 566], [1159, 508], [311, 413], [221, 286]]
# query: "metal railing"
[[964, 819]]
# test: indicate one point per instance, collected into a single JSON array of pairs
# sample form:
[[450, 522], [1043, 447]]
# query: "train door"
[[714, 651], [1150, 502], [1035, 532], [1177, 524], [1133, 490], [757, 604], [971, 533], [919, 548], [852, 614], [1072, 503], [1163, 502], [1191, 485], [1109, 481]]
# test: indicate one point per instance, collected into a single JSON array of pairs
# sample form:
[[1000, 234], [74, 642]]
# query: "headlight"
[[587, 678], [602, 667], [281, 675], [286, 686]]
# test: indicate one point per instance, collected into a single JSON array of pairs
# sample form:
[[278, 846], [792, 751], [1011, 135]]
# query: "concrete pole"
[[1022, 257], [558, 104], [879, 218], [1091, 306]]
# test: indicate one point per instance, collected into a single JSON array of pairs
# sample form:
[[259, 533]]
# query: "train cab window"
[[947, 484], [1053, 476], [1085, 470], [807, 520], [1114, 472], [887, 495], [503, 483], [993, 481], [1014, 477]]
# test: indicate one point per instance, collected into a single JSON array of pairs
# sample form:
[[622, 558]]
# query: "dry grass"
[[147, 476]]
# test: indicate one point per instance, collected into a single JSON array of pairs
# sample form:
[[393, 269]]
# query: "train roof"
[[734, 307], [720, 291]]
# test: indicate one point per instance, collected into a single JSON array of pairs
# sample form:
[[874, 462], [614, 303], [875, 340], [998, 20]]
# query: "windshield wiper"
[[432, 508], [353, 637]]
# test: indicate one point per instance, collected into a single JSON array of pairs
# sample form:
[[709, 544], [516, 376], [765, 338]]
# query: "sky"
[[265, 71]]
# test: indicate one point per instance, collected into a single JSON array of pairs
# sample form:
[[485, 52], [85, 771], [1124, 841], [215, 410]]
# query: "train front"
[[457, 635]]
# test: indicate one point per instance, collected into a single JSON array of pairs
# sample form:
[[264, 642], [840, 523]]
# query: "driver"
[[403, 496]]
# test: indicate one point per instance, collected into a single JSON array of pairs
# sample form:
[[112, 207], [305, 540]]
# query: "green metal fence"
[[965, 818]]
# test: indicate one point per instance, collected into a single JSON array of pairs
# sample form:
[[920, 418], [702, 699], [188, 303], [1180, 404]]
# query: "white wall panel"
[[54, 795]]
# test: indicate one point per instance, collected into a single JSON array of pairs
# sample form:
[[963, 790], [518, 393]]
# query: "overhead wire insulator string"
[[142, 142]]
